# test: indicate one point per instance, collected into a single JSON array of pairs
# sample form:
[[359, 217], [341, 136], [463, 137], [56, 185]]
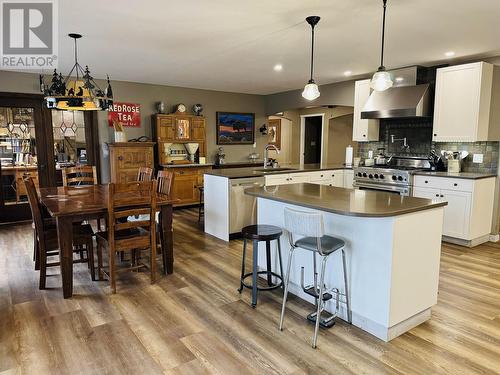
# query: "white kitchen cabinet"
[[277, 179], [348, 178], [363, 130], [469, 213], [462, 103]]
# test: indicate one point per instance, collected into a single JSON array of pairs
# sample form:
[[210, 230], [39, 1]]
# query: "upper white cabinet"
[[462, 104], [363, 130]]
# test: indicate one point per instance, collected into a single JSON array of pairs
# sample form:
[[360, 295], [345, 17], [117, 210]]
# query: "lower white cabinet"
[[337, 178], [469, 213]]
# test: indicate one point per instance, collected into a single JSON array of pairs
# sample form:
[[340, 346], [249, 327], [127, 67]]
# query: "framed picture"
[[274, 133], [235, 128]]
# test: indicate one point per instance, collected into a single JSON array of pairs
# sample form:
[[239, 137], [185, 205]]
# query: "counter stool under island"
[[311, 226], [257, 233]]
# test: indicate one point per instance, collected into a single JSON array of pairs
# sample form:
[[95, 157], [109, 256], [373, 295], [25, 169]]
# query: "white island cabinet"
[[393, 247], [469, 213]]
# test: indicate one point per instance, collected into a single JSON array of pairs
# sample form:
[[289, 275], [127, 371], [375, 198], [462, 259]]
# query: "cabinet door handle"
[[455, 184], [426, 181], [321, 175], [333, 175], [437, 195], [181, 172], [442, 196], [364, 135], [120, 158], [435, 135]]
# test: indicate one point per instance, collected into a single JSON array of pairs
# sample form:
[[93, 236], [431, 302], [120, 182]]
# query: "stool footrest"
[[269, 287], [327, 320], [312, 292]]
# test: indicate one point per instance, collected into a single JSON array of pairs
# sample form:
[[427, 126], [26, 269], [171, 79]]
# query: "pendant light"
[[382, 79], [311, 90]]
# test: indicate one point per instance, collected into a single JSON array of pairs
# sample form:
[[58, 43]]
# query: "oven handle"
[[382, 187]]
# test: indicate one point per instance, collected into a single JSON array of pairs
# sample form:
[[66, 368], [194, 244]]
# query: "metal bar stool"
[[310, 225], [257, 233]]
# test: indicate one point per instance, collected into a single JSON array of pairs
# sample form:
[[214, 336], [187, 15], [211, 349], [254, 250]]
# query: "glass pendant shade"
[[381, 81], [311, 91]]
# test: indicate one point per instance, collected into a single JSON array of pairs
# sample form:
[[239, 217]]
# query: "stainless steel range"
[[396, 177]]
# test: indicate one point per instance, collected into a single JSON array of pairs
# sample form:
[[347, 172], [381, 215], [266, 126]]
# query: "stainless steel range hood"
[[411, 95], [396, 102]]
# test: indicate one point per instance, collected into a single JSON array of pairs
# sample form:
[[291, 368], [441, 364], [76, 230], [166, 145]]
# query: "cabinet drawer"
[[456, 184], [185, 171]]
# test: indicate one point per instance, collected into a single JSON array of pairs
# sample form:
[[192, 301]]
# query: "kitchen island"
[[393, 247]]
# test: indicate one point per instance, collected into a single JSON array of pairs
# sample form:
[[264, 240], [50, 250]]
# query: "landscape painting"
[[235, 128]]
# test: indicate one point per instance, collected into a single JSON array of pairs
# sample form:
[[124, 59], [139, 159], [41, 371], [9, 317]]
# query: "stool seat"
[[329, 244], [261, 232]]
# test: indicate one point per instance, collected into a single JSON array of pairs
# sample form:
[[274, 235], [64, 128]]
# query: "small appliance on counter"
[[348, 156], [191, 149]]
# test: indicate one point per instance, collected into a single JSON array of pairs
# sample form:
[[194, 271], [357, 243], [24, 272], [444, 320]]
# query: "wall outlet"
[[477, 158]]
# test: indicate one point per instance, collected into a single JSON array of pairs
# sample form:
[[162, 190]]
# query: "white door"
[[428, 193], [456, 114], [456, 213], [296, 178], [280, 179], [363, 130]]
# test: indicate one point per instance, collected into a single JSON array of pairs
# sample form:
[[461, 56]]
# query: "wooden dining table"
[[75, 204]]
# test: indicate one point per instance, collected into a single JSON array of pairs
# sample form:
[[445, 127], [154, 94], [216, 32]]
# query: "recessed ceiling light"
[[449, 54], [399, 79], [278, 68], [347, 73]]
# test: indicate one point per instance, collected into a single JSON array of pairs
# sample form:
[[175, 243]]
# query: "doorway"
[[311, 142]]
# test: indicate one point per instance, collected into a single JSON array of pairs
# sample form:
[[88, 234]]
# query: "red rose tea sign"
[[128, 114]]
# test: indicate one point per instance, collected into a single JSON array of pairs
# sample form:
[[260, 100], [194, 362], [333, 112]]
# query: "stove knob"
[[394, 178], [400, 178], [376, 175], [370, 175], [364, 174], [360, 174], [382, 176]]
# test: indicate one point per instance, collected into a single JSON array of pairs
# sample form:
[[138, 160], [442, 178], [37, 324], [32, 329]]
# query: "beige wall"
[[285, 155], [339, 137], [147, 95]]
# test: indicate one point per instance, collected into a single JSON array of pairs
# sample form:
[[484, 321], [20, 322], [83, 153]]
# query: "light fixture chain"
[[383, 35]]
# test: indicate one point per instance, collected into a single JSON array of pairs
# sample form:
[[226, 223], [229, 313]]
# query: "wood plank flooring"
[[195, 322]]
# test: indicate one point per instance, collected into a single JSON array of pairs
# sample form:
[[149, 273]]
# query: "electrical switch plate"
[[477, 158]]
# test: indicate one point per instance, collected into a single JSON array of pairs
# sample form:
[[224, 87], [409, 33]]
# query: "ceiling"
[[230, 45]]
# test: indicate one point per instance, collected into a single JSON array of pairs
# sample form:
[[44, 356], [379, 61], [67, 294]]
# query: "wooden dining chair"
[[83, 175], [145, 174], [124, 200], [165, 181], [78, 176], [46, 235]]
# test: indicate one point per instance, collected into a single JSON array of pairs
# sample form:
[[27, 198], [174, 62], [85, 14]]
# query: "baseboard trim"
[[494, 237], [468, 243]]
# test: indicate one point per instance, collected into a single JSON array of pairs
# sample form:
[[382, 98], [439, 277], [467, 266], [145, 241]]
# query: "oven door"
[[395, 189]]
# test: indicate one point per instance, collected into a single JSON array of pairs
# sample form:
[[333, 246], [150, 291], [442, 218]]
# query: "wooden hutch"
[[180, 129]]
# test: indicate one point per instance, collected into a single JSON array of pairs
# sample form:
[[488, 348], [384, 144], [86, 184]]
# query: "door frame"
[[302, 135]]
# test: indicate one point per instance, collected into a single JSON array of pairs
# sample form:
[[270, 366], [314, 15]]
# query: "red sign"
[[128, 114]]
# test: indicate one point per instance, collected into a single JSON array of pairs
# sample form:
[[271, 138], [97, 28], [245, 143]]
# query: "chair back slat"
[[131, 199], [165, 182], [77, 176], [35, 207], [302, 223], [145, 174]]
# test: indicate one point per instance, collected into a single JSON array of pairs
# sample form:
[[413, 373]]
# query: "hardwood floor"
[[195, 322]]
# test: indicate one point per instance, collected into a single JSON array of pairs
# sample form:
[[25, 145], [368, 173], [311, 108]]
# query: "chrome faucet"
[[405, 146], [266, 153]]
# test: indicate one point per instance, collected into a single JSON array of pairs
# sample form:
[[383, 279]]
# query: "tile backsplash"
[[419, 137]]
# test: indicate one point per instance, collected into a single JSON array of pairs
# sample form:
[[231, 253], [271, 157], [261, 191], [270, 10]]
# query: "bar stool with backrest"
[[124, 200], [47, 240], [310, 225], [257, 233]]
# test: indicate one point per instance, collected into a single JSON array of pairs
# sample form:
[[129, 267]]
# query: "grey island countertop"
[[349, 202], [258, 171]]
